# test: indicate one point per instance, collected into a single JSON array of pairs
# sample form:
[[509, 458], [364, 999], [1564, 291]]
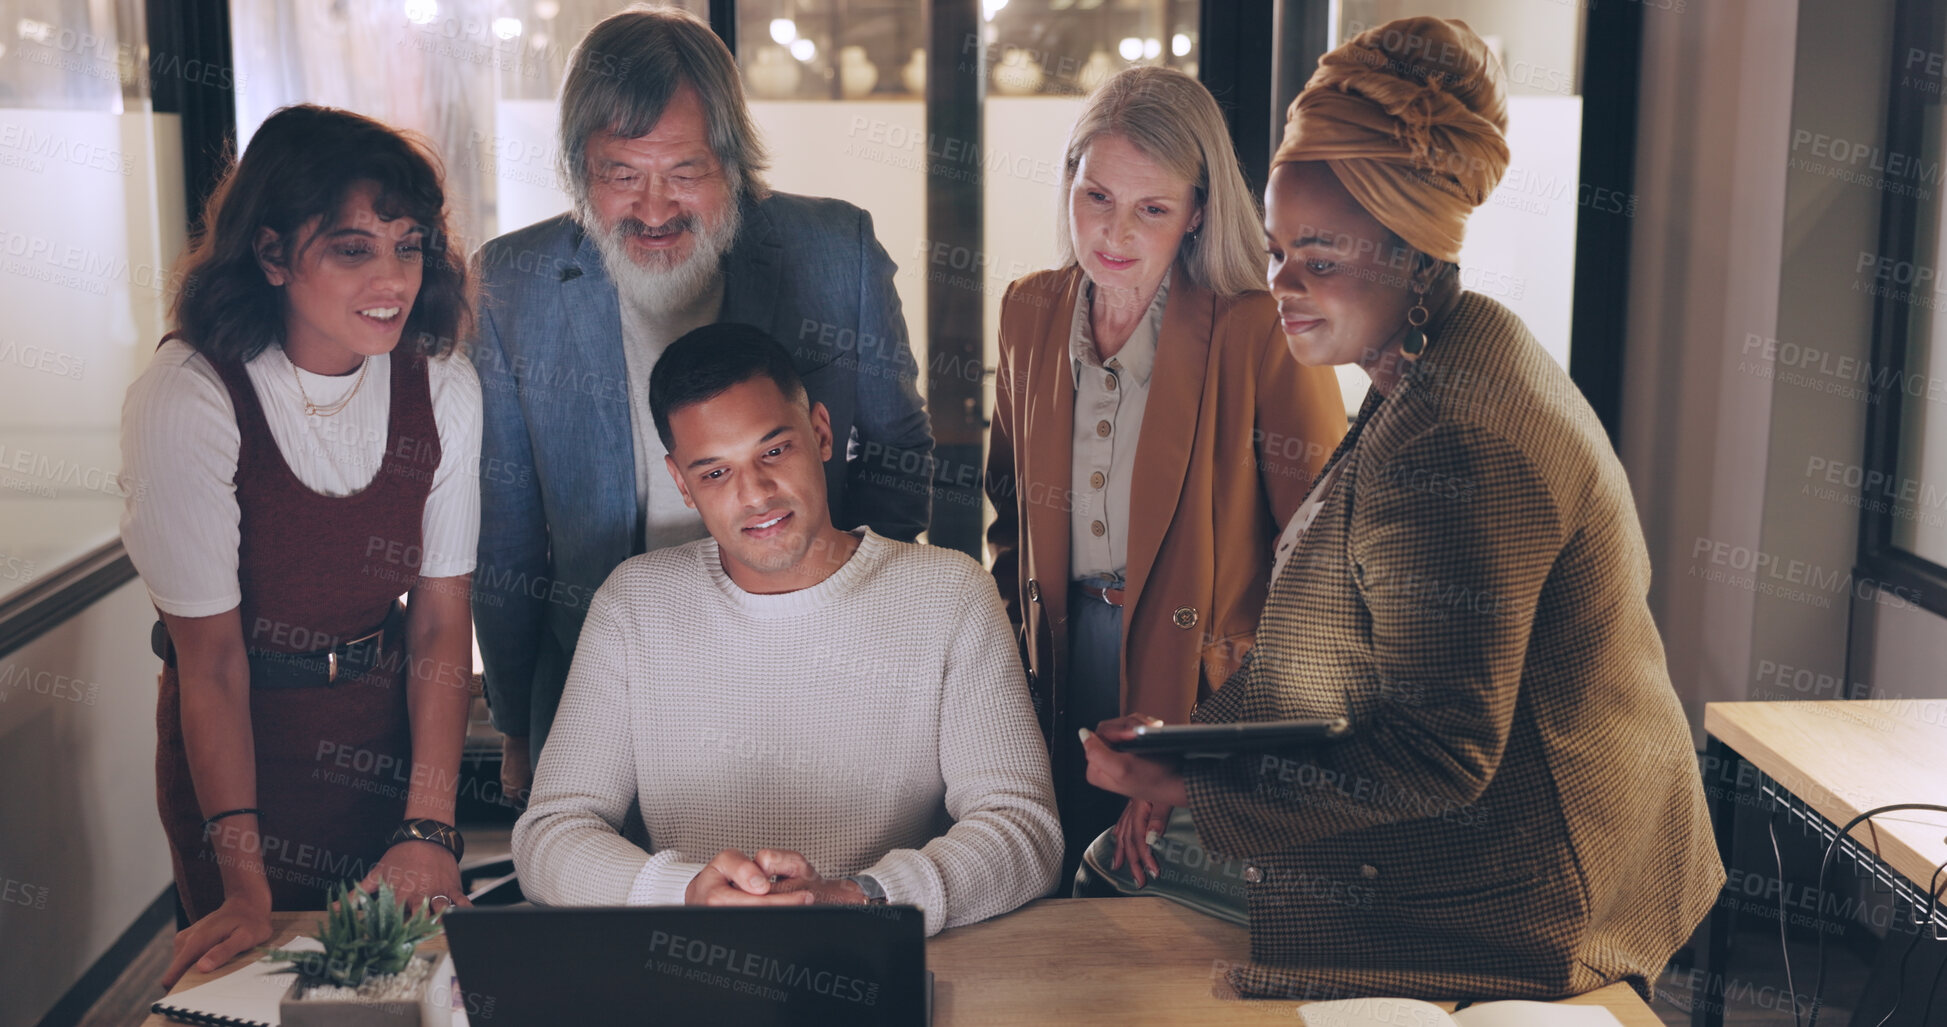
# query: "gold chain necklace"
[[314, 410]]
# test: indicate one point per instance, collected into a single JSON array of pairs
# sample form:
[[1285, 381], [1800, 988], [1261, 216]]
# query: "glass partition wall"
[[91, 197]]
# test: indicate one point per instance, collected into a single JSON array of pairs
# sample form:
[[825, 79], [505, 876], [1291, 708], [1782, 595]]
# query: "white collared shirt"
[[1110, 396]]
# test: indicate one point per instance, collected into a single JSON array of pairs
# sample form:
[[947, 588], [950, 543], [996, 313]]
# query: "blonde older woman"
[[1518, 811], [1150, 435]]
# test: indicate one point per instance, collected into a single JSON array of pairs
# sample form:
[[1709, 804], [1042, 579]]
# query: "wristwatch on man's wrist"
[[426, 829], [875, 893]]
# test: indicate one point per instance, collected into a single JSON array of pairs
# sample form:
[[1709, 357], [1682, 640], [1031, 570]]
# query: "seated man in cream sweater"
[[834, 710]]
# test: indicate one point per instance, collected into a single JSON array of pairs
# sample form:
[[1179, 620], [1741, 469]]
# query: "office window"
[[1917, 492], [91, 217], [1910, 497]]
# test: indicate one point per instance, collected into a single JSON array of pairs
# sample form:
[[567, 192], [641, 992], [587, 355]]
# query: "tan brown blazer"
[[1232, 433], [1518, 812]]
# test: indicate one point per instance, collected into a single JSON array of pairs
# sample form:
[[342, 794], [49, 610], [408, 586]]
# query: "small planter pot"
[[379, 1003]]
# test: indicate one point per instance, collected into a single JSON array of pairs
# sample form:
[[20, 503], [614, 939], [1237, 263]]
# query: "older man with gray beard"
[[673, 228]]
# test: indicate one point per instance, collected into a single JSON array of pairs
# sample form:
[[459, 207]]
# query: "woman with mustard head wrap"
[[1518, 812]]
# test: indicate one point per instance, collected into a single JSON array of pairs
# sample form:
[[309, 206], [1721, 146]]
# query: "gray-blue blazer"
[[557, 471]]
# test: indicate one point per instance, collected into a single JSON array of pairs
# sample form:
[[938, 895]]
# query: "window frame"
[[1880, 558]]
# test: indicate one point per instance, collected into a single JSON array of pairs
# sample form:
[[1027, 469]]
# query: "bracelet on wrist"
[[253, 811]]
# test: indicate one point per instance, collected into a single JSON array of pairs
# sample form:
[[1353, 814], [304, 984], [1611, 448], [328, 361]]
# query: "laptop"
[[690, 964]]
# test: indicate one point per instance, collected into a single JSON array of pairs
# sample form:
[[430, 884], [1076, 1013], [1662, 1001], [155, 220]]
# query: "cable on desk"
[[1932, 988], [1784, 947], [1925, 925], [1818, 987]]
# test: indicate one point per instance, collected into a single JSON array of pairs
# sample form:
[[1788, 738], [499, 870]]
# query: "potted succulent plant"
[[368, 974]]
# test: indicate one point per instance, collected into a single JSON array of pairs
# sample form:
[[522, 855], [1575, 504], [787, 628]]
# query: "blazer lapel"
[[1047, 477], [752, 270], [1367, 408], [1170, 417], [600, 424]]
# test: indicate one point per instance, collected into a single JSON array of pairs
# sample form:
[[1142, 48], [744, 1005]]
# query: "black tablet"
[[1202, 740]]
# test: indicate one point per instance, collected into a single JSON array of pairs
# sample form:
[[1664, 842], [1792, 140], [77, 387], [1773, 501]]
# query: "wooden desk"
[[1846, 757], [1827, 762], [1081, 961], [1121, 961]]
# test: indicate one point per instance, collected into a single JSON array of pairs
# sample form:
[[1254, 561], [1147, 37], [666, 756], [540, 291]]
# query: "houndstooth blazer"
[[1518, 813]]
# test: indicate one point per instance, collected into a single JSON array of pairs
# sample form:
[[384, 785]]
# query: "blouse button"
[[1034, 591], [1252, 875], [1185, 617], [1109, 382], [1097, 479], [1097, 528], [1102, 429]]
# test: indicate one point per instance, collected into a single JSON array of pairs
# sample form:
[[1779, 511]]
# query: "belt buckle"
[[331, 657]]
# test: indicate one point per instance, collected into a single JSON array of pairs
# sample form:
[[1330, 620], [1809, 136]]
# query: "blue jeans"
[[1093, 682]]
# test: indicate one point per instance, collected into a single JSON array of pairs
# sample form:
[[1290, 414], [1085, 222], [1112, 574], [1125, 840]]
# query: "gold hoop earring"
[[1415, 342]]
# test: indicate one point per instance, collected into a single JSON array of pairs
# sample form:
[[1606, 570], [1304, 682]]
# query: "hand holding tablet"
[[1205, 741], [1141, 757]]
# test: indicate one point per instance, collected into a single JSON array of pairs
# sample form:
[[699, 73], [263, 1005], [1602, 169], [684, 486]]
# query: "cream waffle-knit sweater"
[[877, 722]]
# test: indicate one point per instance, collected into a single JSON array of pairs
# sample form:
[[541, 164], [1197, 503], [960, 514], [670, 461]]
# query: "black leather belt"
[[317, 669]]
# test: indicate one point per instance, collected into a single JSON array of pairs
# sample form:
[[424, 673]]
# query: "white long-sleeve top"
[[877, 722]]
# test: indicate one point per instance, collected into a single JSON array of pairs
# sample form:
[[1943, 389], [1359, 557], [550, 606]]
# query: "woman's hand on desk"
[[239, 925], [1153, 779], [418, 872]]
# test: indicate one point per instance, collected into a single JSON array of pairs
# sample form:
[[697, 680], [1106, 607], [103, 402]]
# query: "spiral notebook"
[[245, 998], [249, 997]]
